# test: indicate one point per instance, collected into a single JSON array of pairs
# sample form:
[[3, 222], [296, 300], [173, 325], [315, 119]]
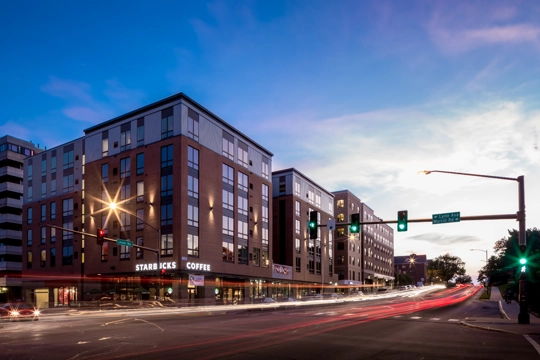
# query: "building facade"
[[309, 263], [365, 259], [413, 265], [12, 154], [185, 185]]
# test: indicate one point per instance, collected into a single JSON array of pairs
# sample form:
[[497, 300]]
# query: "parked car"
[[286, 299], [357, 293], [14, 311], [403, 287], [268, 300]]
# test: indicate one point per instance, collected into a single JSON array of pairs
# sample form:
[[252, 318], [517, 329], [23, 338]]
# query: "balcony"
[[11, 171], [11, 187], [10, 250], [10, 234], [10, 218], [12, 203]]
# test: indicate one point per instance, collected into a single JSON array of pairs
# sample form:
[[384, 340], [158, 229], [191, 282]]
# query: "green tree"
[[463, 279], [446, 267], [404, 279]]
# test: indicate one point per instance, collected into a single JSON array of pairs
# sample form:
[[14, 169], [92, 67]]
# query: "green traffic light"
[[312, 225], [354, 229], [522, 261]]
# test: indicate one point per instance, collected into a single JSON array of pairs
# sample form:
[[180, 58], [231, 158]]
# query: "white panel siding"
[[210, 134], [92, 147], [152, 127], [114, 137]]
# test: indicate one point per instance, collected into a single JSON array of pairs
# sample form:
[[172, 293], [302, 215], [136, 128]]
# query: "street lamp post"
[[523, 317], [487, 267]]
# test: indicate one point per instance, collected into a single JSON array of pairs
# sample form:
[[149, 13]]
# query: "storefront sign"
[[281, 271], [197, 266], [196, 280], [164, 265]]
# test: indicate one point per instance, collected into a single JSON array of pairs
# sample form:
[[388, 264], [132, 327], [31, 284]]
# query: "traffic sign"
[[124, 242], [445, 218]]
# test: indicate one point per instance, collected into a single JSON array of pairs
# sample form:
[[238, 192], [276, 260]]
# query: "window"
[[140, 191], [297, 208], [125, 221], [105, 251], [242, 254], [53, 235], [43, 235], [297, 246], [193, 125], [242, 230], [139, 252], [68, 159], [311, 195], [53, 187], [193, 186], [265, 168], [43, 190], [29, 215], [228, 225], [298, 264], [67, 235], [265, 192], [67, 207], [297, 188], [140, 164], [341, 231], [125, 193], [125, 170], [53, 210], [264, 237], [256, 257], [104, 172], [67, 255], [125, 253], [166, 185], [68, 183], [29, 259], [166, 214], [228, 145], [228, 200], [166, 244], [29, 237], [52, 257], [30, 192], [105, 144], [242, 205], [297, 227], [228, 251], [167, 123], [193, 216], [242, 181], [318, 198], [264, 213], [125, 139], [43, 167], [43, 212], [166, 156], [193, 158], [265, 259], [53, 164], [140, 132], [341, 217], [43, 258], [228, 175], [30, 172], [243, 154], [140, 219], [193, 245]]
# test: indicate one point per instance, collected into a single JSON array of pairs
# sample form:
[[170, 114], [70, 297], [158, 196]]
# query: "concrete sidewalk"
[[509, 321]]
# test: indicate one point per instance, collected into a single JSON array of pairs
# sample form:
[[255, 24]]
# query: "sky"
[[357, 95]]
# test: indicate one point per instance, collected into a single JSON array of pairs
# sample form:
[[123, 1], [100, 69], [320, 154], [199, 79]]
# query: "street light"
[[523, 317], [487, 266], [113, 206]]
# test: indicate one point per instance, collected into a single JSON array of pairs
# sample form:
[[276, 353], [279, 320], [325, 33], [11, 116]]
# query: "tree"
[[404, 279], [446, 267], [463, 279]]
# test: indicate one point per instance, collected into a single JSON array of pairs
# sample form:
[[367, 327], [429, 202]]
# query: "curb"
[[487, 328], [502, 311]]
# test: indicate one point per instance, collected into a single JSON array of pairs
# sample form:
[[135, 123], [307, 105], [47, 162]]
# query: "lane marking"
[[416, 317], [533, 343], [453, 319], [436, 319]]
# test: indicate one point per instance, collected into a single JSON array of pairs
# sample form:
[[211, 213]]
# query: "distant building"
[[13, 151], [311, 261], [365, 258], [412, 265]]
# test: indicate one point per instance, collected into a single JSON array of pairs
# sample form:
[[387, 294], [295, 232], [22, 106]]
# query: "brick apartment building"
[[186, 184], [413, 265]]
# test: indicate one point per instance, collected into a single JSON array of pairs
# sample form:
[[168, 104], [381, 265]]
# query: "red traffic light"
[[163, 271], [100, 234]]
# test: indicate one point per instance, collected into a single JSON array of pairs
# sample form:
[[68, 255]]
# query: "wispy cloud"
[[443, 239]]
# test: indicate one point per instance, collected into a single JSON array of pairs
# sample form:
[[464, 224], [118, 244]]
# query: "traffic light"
[[312, 224], [523, 258], [402, 220], [355, 223], [100, 235]]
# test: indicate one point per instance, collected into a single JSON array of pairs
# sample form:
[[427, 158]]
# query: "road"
[[409, 326]]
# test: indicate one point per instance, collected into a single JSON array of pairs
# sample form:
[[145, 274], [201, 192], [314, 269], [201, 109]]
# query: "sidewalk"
[[509, 321]]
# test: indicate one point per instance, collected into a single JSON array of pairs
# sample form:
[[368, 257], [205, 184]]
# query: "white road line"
[[416, 317], [453, 320], [533, 343], [397, 316], [435, 319]]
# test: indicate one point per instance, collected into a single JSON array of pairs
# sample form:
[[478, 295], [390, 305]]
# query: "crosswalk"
[[366, 315], [420, 317]]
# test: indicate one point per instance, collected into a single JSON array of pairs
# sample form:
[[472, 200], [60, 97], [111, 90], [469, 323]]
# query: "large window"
[[125, 138], [43, 167], [228, 225], [140, 164], [166, 214], [228, 200], [140, 219], [228, 145], [67, 255], [243, 154], [193, 125], [125, 253], [167, 123], [29, 237], [297, 246], [43, 235], [53, 187], [166, 185], [193, 186], [242, 181], [166, 156], [140, 191], [53, 235], [193, 158], [29, 259], [125, 168], [68, 183], [242, 254], [125, 221], [228, 251], [52, 257], [265, 168], [43, 258], [297, 208], [256, 257], [29, 215], [68, 159], [140, 253], [228, 175], [242, 230], [125, 193], [105, 145], [67, 207], [104, 172], [243, 205], [140, 132], [193, 245], [166, 244], [265, 192], [43, 190], [193, 215], [43, 212]]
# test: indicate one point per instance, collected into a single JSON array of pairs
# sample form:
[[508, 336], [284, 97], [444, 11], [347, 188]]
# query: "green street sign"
[[124, 242], [445, 218]]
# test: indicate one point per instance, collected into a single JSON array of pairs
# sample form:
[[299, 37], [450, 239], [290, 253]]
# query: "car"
[[357, 293], [286, 299], [312, 297], [403, 287], [14, 311], [268, 300]]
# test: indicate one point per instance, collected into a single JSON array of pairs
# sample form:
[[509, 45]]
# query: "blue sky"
[[357, 95]]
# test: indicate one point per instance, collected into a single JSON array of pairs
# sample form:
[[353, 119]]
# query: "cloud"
[[12, 128], [67, 89], [443, 239]]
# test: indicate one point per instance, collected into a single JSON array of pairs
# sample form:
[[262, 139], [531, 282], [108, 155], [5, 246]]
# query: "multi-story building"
[[365, 258], [12, 154], [303, 265], [184, 184], [413, 265]]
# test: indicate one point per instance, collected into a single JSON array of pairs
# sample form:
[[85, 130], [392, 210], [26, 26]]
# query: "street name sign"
[[124, 242], [446, 218]]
